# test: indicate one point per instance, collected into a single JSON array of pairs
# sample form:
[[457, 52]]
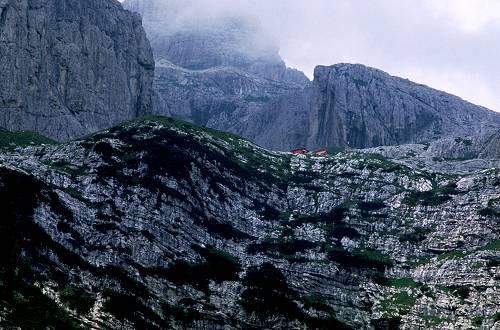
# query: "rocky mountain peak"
[[183, 36], [355, 106]]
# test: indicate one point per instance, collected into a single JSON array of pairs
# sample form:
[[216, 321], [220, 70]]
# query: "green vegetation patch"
[[403, 283], [418, 261], [185, 315], [434, 320], [66, 167], [224, 230], [361, 258], [22, 139], [489, 212], [400, 302], [477, 320], [465, 142], [434, 197], [416, 235], [317, 302], [369, 209], [457, 254], [77, 299], [267, 294], [126, 307], [492, 245], [461, 292], [284, 248], [374, 162], [218, 266]]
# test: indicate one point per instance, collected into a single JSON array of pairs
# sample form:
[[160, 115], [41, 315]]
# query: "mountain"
[[69, 67], [226, 73], [353, 106], [163, 224], [212, 71]]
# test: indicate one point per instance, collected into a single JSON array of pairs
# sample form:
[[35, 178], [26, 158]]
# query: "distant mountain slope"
[[355, 106], [212, 72], [227, 74], [71, 67], [450, 155], [161, 224]]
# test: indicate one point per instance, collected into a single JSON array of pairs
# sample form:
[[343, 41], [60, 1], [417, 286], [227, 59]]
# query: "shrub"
[[465, 142], [126, 307], [78, 299], [388, 323], [460, 291], [489, 212], [224, 230], [434, 197], [368, 207], [218, 266], [370, 259], [493, 245], [417, 235], [267, 293], [403, 283], [104, 149], [400, 300], [316, 302]]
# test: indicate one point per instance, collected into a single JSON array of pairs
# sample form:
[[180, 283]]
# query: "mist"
[[452, 45]]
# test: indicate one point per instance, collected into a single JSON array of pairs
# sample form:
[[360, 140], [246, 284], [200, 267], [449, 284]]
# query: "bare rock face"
[[70, 67], [228, 75], [213, 72], [359, 107], [353, 106]]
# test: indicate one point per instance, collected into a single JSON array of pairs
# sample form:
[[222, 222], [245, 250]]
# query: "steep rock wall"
[[70, 67]]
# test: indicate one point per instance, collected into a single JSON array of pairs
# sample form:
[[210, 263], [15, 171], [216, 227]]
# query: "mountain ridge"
[[370, 107], [351, 240], [360, 107]]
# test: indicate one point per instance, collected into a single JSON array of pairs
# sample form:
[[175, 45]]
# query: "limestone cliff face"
[[356, 106], [212, 72], [70, 67], [353, 106]]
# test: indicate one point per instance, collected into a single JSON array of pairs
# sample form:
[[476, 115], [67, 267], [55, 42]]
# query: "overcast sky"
[[452, 45]]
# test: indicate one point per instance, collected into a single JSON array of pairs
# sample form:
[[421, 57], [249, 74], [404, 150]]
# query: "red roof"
[[299, 151]]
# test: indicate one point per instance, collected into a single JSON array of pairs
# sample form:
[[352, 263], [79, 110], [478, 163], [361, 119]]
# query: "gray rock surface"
[[71, 67], [138, 222], [354, 106], [213, 72], [227, 74], [451, 155]]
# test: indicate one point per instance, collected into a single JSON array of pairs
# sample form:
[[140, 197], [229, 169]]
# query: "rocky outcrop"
[[70, 67], [226, 73], [353, 106], [161, 224], [212, 71]]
